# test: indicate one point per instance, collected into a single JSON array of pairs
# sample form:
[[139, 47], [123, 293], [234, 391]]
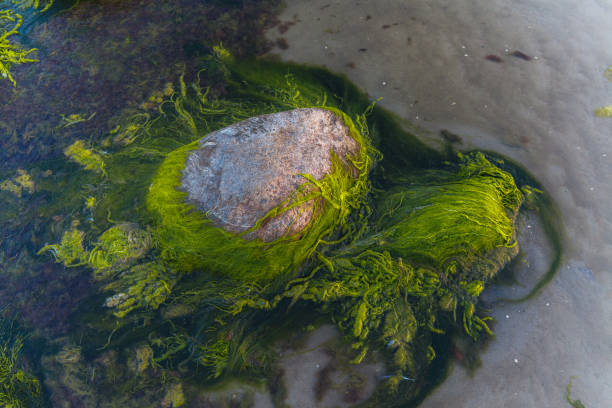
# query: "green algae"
[[604, 112], [70, 250], [87, 158], [426, 258], [144, 286], [41, 5], [192, 241], [397, 267], [568, 395], [537, 200], [19, 184], [75, 118], [174, 397], [10, 53], [113, 250], [18, 387], [116, 248]]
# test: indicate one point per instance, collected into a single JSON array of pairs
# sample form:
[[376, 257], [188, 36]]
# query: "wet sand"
[[427, 59]]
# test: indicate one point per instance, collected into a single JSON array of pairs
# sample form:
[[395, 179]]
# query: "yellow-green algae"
[[605, 111], [18, 184], [10, 53], [18, 388], [403, 261], [431, 246], [568, 390], [43, 5], [87, 158]]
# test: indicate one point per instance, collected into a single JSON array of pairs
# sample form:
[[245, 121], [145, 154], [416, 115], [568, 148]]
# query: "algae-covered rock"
[[267, 190], [241, 172]]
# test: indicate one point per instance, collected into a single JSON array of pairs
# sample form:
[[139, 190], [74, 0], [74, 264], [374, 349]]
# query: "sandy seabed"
[[427, 59]]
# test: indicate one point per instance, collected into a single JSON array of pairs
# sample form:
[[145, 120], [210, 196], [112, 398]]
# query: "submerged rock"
[[239, 173]]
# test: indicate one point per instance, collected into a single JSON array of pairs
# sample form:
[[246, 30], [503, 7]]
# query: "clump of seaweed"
[[191, 241], [114, 250], [70, 250], [19, 184], [18, 388], [10, 53], [397, 258], [427, 255], [604, 112], [89, 159], [144, 286]]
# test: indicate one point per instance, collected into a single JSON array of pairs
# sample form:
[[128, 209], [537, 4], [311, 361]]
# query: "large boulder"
[[239, 173]]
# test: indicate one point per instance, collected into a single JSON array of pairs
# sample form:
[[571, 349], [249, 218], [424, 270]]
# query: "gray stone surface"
[[241, 172]]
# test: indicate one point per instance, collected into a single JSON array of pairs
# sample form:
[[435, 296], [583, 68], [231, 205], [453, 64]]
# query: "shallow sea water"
[[431, 63]]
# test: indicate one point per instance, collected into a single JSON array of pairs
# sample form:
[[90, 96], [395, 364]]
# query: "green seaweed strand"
[[568, 395], [11, 54]]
